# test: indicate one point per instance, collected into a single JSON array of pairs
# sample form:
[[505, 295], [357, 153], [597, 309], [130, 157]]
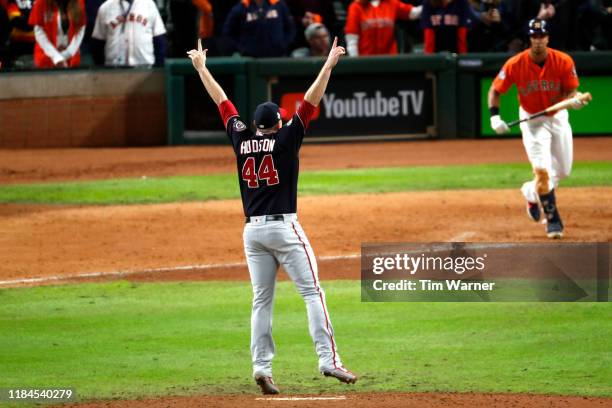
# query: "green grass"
[[225, 186], [127, 340]]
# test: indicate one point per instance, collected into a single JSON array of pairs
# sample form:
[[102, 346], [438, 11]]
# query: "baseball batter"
[[132, 32], [543, 76], [268, 166]]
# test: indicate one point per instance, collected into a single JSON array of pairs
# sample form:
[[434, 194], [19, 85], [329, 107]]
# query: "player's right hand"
[[334, 54], [577, 104], [498, 125], [198, 57]]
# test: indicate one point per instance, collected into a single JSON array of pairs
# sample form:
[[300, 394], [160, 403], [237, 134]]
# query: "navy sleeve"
[[159, 48], [237, 131], [97, 51]]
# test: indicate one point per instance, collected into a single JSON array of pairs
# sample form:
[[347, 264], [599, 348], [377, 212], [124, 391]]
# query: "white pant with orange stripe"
[[268, 245]]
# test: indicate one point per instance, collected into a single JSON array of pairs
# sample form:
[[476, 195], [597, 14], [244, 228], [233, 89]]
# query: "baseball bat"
[[564, 104]]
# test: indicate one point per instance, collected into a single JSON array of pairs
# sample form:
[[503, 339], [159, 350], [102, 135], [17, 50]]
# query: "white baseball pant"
[[548, 143]]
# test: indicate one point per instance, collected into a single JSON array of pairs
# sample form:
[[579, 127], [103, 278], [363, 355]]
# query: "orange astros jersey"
[[375, 26], [538, 87]]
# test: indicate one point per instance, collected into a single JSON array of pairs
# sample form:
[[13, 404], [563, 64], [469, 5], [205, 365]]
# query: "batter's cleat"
[[267, 385], [341, 374], [533, 211], [554, 230]]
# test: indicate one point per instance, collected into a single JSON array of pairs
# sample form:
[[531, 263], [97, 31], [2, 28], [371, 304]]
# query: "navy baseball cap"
[[267, 115], [537, 26]]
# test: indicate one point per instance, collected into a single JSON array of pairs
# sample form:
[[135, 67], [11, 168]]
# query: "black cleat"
[[533, 211], [554, 230]]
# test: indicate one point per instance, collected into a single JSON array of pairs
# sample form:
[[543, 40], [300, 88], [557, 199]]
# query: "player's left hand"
[[198, 57], [334, 54], [577, 104]]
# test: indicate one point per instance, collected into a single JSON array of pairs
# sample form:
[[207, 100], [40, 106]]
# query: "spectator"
[[370, 25], [560, 15], [21, 37], [129, 33], [489, 31], [260, 28], [211, 27], [59, 27], [307, 12], [444, 25], [317, 36], [595, 23]]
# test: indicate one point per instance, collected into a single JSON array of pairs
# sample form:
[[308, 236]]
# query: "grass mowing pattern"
[[225, 186], [127, 340]]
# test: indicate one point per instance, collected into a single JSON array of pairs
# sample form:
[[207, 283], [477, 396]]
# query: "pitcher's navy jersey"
[[268, 164]]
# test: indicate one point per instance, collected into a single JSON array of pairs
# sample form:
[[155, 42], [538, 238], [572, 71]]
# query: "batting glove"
[[498, 125], [576, 103]]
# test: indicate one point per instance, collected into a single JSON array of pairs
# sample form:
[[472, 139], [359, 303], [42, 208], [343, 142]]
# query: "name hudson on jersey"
[[361, 106], [257, 145]]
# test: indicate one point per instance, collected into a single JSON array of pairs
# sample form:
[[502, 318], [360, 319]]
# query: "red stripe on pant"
[[314, 278]]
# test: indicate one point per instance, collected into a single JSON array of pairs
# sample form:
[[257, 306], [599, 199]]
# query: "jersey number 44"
[[266, 172]]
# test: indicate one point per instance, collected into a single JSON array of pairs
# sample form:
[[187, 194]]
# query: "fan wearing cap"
[[543, 76], [267, 161]]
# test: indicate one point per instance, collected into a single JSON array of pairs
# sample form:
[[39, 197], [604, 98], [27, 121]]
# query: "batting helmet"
[[537, 26]]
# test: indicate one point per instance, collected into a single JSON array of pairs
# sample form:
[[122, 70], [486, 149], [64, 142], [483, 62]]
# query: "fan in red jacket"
[[370, 25], [59, 27]]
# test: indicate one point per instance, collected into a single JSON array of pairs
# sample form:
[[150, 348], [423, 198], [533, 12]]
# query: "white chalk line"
[[341, 397], [58, 278], [463, 236]]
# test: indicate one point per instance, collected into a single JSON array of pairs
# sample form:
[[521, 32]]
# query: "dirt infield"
[[20, 166], [173, 240], [202, 241], [362, 400], [58, 241]]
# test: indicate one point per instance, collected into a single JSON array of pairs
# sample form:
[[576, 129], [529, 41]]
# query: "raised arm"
[[317, 89], [198, 58]]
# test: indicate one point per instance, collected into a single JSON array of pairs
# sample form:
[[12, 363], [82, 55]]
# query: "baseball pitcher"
[[267, 161]]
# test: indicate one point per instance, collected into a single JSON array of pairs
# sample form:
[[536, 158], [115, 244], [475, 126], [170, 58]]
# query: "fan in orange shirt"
[[370, 25], [543, 76]]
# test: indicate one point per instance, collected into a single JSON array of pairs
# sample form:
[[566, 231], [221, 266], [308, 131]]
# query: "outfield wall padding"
[[74, 108], [457, 92]]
